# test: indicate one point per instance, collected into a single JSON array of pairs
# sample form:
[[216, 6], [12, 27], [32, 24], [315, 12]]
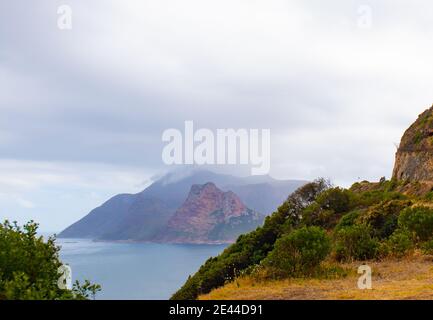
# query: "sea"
[[134, 271]]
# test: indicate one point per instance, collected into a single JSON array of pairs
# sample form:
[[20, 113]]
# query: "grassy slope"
[[407, 278]]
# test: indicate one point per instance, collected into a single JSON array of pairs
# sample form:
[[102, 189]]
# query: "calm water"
[[134, 270]]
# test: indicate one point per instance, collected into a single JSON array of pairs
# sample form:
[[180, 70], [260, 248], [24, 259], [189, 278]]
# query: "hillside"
[[309, 240], [410, 278], [313, 236]]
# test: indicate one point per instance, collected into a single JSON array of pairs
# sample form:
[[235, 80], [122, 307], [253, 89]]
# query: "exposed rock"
[[210, 215], [414, 158]]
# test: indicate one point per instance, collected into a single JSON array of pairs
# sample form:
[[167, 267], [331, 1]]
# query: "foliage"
[[328, 208], [373, 194], [355, 243], [419, 221], [383, 217], [347, 220], [304, 197], [87, 290], [299, 253], [427, 247], [397, 244], [29, 266]]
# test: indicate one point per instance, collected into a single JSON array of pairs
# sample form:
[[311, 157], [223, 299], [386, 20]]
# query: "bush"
[[355, 243], [427, 247], [383, 217], [419, 221], [347, 220], [398, 244], [28, 266], [335, 199], [302, 198], [328, 208], [299, 253]]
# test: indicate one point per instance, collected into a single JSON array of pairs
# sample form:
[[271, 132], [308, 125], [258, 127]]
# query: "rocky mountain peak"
[[209, 214], [198, 189]]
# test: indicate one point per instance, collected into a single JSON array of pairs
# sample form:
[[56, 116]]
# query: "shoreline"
[[210, 243]]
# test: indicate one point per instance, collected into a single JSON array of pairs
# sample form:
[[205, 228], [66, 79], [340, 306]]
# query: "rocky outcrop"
[[210, 215], [414, 158]]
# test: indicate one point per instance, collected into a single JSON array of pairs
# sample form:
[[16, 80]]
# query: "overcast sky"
[[83, 110]]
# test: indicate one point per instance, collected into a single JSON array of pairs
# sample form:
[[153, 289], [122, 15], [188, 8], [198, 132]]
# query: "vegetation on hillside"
[[406, 278], [319, 223], [29, 267]]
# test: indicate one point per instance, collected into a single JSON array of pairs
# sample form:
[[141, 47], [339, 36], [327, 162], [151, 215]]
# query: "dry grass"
[[407, 278]]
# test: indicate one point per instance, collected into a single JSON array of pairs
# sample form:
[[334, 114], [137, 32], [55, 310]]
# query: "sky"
[[83, 109]]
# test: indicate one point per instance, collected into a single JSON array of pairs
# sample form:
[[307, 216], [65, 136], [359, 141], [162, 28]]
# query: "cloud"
[[56, 194], [25, 203], [86, 107]]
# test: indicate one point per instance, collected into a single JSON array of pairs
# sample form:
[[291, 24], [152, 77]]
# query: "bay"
[[134, 271]]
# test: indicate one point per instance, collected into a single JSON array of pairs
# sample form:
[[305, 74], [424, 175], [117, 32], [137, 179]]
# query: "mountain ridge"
[[141, 216]]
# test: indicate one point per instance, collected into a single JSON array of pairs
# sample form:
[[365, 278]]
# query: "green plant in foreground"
[[29, 266]]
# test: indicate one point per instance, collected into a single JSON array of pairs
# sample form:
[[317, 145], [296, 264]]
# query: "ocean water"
[[134, 270]]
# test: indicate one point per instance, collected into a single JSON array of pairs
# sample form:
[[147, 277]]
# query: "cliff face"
[[210, 215], [414, 158]]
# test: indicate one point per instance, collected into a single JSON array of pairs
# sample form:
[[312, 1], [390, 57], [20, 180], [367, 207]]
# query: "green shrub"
[[419, 221], [383, 217], [314, 215], [29, 266], [347, 220], [355, 243], [299, 253], [427, 247], [296, 203], [328, 208], [398, 244], [335, 199]]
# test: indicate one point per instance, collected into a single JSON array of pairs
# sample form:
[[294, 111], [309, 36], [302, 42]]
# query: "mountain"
[[123, 217], [143, 216], [210, 215]]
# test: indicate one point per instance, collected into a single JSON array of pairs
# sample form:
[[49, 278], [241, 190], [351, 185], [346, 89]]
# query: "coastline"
[[131, 241]]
